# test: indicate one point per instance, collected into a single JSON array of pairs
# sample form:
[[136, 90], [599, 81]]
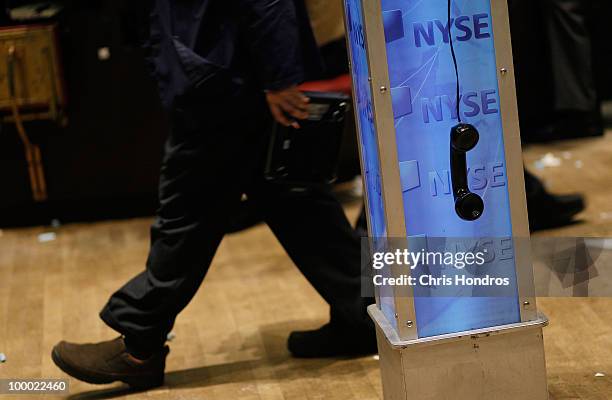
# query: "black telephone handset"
[[469, 206]]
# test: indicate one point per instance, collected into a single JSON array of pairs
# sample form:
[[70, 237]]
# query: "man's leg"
[[571, 53], [315, 232], [532, 69], [552, 49], [191, 221], [200, 185], [576, 102]]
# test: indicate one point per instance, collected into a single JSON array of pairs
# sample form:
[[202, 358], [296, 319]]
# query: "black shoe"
[[108, 362], [547, 210], [554, 211], [333, 341]]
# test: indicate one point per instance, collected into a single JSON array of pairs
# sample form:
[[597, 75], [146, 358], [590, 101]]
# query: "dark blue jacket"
[[204, 45]]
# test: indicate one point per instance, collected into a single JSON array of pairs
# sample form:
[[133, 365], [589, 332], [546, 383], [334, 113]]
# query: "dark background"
[[105, 163]]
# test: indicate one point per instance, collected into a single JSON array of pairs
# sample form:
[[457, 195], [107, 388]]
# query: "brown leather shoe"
[[108, 362]]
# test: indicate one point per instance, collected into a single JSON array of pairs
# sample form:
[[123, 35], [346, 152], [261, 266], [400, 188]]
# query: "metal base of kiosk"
[[501, 363]]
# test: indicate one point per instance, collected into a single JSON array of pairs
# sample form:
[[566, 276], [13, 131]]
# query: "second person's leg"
[[313, 228]]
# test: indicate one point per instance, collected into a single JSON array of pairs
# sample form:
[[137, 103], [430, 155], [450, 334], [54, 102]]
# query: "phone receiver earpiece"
[[469, 206]]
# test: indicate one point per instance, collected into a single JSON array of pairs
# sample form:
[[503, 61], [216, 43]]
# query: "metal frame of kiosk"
[[500, 362]]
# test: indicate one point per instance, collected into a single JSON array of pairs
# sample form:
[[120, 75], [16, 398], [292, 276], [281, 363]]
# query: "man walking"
[[223, 68]]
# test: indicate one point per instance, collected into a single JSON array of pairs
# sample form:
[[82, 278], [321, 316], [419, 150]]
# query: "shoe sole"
[[135, 382]]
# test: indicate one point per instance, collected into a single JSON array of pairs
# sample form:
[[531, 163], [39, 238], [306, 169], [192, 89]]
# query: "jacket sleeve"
[[273, 37]]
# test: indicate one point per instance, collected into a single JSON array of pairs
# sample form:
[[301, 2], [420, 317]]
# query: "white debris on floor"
[[600, 375], [47, 237], [605, 215], [376, 357], [579, 164], [2, 358], [171, 336], [548, 161]]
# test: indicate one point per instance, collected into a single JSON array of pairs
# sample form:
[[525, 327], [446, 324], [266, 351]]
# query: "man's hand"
[[288, 102]]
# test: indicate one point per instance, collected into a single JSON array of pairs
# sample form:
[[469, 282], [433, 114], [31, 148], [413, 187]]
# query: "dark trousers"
[[553, 56], [214, 155], [571, 53]]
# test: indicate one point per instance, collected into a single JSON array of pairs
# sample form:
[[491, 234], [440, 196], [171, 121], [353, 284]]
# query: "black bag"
[[310, 155]]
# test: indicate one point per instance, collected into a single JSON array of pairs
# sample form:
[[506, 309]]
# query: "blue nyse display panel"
[[423, 83], [367, 134], [366, 128]]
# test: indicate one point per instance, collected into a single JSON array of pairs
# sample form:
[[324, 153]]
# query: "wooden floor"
[[230, 342]]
